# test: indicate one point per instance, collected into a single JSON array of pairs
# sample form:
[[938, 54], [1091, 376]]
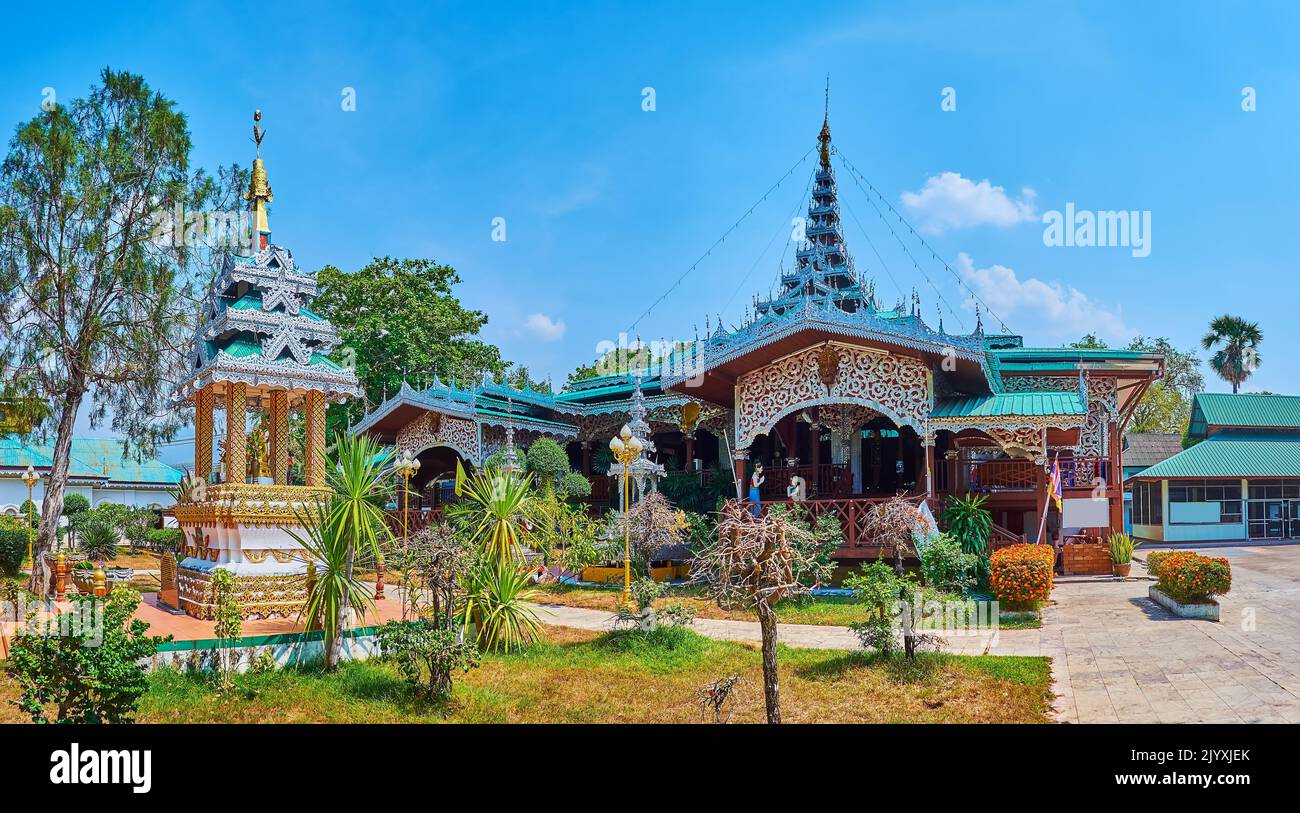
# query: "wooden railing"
[[1085, 472], [1000, 537], [825, 480], [851, 513], [991, 476], [419, 519]]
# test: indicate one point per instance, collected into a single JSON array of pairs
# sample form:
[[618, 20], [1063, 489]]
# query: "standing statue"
[[797, 490], [756, 481]]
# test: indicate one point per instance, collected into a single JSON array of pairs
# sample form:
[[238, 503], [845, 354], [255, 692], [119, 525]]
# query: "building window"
[[1205, 502], [1147, 508]]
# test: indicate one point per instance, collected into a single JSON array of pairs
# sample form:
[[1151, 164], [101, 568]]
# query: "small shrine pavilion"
[[259, 348], [861, 401]]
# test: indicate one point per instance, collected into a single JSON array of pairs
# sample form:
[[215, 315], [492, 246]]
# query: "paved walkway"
[[1116, 656]]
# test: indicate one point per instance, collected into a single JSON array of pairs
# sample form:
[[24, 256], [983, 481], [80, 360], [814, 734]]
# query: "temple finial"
[[824, 137], [259, 190]]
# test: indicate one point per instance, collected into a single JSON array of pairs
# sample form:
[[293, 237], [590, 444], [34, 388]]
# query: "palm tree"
[[352, 519], [1238, 357]]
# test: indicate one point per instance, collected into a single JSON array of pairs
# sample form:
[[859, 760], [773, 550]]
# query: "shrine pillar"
[[586, 458], [203, 434], [689, 463], [315, 441], [280, 437], [815, 444], [236, 433]]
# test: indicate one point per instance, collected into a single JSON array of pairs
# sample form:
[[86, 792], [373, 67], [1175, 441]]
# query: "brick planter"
[[1086, 559], [1206, 612]]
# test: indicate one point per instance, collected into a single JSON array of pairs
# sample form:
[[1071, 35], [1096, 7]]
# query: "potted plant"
[[1121, 553]]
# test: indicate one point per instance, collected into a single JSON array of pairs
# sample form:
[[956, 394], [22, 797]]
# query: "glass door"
[[1293, 519]]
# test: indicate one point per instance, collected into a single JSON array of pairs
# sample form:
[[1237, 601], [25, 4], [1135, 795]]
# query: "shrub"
[[1190, 578], [547, 462], [1022, 574], [77, 680], [13, 545], [31, 509], [644, 592], [946, 567], [427, 655], [969, 521], [165, 539], [676, 615], [573, 486], [496, 596], [97, 537], [1155, 560]]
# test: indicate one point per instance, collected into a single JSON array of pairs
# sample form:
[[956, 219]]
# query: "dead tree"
[[756, 562]]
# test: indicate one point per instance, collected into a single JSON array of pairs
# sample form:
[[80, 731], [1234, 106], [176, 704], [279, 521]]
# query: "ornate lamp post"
[[626, 448], [406, 467], [30, 478]]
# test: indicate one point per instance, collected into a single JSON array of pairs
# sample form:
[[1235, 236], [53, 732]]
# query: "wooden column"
[[1115, 481], [689, 463], [586, 458], [930, 473], [203, 434], [236, 433], [280, 437], [815, 446], [315, 442], [739, 458]]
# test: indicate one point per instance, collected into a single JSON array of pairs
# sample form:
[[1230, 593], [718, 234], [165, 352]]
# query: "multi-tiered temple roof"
[[257, 326]]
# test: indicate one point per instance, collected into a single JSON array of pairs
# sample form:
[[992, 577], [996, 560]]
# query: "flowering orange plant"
[[1190, 578], [1021, 574]]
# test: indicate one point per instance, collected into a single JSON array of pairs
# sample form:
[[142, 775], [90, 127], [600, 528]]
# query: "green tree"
[[399, 320], [92, 303], [1237, 355], [1090, 342], [1167, 404], [547, 462]]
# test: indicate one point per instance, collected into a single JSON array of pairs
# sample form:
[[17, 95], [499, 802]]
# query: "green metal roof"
[[1210, 409], [1234, 454], [611, 390], [91, 458], [1027, 403]]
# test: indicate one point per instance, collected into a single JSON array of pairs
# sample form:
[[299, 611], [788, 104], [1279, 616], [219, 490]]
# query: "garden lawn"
[[835, 611], [579, 676]]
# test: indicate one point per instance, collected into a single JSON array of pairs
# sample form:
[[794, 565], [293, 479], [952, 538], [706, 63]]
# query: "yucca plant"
[[496, 599], [351, 520], [1121, 548], [969, 521], [492, 509]]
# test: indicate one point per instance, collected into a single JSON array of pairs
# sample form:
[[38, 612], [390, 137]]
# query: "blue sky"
[[533, 113]]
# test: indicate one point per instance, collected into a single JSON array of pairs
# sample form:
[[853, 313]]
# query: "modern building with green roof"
[[1240, 480], [98, 471]]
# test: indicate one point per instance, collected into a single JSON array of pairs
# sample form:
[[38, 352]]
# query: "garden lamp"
[[626, 448], [406, 467], [30, 478]]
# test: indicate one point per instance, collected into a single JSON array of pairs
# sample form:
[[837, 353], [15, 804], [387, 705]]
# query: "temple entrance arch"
[[898, 387], [433, 484]]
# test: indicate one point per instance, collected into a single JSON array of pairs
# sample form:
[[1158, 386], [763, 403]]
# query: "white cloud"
[[949, 201], [544, 327], [1042, 311], [582, 191]]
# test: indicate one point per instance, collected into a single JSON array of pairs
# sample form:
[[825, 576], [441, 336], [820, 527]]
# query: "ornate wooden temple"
[[862, 402], [259, 349]]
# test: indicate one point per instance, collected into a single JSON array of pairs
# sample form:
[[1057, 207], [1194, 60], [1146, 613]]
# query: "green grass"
[[835, 611], [1020, 620], [625, 676]]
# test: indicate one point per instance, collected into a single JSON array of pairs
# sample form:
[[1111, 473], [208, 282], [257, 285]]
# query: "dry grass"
[[579, 676], [825, 610]]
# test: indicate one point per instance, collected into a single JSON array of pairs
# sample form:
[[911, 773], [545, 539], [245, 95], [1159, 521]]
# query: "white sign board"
[[1085, 512]]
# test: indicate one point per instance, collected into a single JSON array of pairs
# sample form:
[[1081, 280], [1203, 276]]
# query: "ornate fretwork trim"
[[896, 386]]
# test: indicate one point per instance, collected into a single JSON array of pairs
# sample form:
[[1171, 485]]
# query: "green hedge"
[[13, 545]]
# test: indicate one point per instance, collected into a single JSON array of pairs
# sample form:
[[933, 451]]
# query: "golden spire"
[[259, 189], [824, 137]]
